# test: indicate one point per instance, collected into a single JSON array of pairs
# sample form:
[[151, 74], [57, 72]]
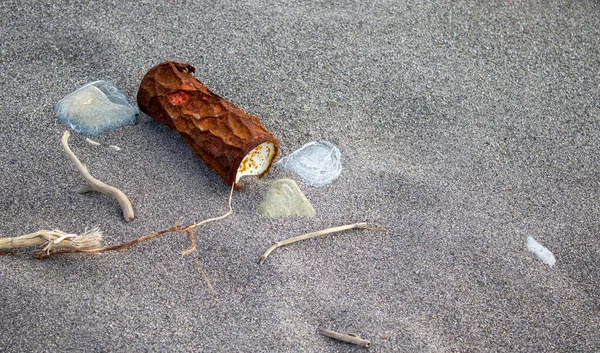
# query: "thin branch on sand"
[[95, 184], [362, 225], [345, 337]]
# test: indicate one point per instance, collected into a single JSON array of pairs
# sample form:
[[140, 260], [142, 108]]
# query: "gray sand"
[[464, 127]]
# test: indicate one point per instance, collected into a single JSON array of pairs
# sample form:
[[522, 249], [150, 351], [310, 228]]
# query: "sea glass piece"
[[284, 198], [96, 107], [317, 163], [541, 251]]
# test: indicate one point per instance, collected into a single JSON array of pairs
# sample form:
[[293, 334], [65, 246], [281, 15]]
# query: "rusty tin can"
[[230, 141]]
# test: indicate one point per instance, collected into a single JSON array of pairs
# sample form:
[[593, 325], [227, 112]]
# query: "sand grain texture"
[[464, 127]]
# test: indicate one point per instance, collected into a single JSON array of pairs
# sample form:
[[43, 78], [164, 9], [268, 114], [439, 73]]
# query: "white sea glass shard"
[[317, 163], [541, 251], [96, 107]]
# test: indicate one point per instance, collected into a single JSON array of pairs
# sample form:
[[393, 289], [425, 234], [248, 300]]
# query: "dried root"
[[189, 229]]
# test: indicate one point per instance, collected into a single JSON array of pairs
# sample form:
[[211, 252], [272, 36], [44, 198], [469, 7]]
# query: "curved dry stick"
[[362, 225], [95, 184]]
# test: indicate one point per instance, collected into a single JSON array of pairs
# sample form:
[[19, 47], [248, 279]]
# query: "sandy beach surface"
[[464, 127]]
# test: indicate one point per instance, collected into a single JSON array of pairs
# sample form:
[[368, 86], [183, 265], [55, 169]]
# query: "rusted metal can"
[[230, 141]]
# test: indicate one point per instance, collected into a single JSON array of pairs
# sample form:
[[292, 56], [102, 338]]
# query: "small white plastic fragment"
[[116, 148], [92, 142], [542, 252]]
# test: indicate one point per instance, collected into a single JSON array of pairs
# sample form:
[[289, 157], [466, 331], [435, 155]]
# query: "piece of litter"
[[317, 163], [230, 141], [284, 198], [94, 108], [542, 252], [92, 142], [116, 148]]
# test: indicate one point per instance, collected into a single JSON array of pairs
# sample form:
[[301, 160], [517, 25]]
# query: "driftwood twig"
[[95, 184], [362, 225], [349, 338], [55, 239]]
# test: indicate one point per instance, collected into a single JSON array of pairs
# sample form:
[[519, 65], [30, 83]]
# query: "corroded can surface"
[[230, 141]]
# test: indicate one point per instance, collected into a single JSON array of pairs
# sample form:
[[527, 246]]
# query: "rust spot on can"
[[219, 132], [179, 98]]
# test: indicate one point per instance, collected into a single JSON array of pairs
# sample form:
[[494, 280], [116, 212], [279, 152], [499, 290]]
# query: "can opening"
[[257, 161]]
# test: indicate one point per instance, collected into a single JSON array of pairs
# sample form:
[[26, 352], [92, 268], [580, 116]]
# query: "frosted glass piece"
[[544, 254], [284, 198], [317, 163], [96, 107]]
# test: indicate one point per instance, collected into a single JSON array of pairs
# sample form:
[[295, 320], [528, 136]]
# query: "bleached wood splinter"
[[95, 184]]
